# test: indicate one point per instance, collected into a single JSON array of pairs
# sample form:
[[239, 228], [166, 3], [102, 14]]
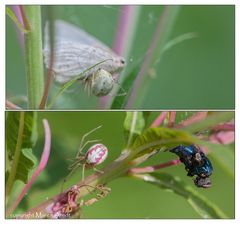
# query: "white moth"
[[75, 51]]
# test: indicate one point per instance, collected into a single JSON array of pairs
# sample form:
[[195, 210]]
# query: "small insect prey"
[[196, 163], [74, 52]]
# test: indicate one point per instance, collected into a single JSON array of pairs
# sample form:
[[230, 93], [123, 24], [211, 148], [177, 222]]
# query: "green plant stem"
[[33, 54], [16, 156], [159, 40], [133, 126], [114, 170]]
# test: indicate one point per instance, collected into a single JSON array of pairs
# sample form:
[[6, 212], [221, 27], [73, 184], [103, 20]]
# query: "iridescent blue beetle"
[[196, 163]]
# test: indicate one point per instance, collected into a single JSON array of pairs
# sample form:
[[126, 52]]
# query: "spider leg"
[[83, 170], [83, 139], [77, 161], [99, 171], [84, 145], [75, 167]]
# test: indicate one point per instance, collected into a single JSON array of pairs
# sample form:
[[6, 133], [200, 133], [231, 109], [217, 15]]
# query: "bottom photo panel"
[[119, 165]]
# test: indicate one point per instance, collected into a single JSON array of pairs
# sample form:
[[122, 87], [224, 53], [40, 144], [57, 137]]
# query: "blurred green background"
[[195, 74], [129, 198]]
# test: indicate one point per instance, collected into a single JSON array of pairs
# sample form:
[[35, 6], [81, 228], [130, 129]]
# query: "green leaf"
[[157, 138], [134, 124], [14, 18], [120, 102], [12, 128], [204, 207], [26, 164], [20, 135]]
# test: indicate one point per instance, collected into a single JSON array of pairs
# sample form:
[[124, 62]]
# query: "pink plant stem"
[[172, 119], [121, 37], [149, 169], [193, 119], [10, 105], [48, 82], [122, 31], [222, 137], [24, 18], [50, 76], [224, 127], [223, 133], [41, 166], [17, 11], [158, 121], [147, 59]]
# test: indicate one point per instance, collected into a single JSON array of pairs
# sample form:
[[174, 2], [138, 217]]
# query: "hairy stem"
[[33, 54]]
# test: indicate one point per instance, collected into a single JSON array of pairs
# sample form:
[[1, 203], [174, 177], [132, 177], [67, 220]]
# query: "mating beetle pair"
[[196, 163]]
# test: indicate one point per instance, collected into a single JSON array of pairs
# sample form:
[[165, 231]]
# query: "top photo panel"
[[79, 57]]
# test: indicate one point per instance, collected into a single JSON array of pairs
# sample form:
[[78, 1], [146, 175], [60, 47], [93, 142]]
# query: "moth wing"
[[71, 59], [62, 79], [75, 50], [64, 31]]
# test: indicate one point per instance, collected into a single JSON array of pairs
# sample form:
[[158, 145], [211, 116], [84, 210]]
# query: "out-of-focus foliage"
[[129, 198], [192, 74]]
